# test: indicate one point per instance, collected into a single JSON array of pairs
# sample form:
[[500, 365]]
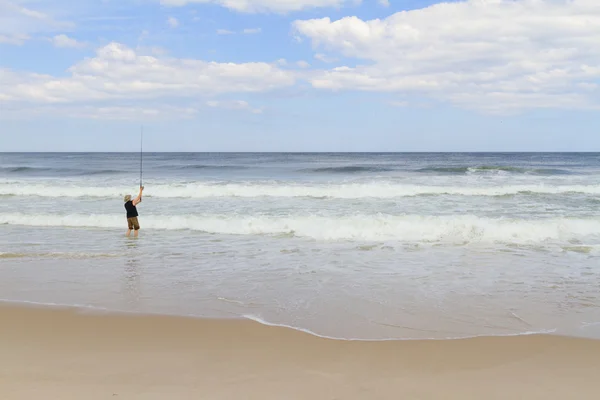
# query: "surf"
[[454, 229], [381, 190], [494, 169]]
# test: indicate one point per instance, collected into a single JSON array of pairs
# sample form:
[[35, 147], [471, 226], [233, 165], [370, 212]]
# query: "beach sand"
[[63, 354]]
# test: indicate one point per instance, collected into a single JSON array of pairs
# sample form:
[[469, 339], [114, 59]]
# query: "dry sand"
[[63, 355]]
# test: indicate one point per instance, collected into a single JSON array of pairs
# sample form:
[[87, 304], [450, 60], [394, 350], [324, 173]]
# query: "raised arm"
[[138, 199]]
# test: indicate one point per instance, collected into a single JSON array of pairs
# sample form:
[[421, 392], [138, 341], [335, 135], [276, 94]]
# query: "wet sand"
[[64, 354]]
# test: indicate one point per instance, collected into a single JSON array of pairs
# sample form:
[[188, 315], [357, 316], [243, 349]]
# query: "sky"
[[300, 75]]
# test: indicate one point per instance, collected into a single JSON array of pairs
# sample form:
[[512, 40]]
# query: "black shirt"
[[131, 210]]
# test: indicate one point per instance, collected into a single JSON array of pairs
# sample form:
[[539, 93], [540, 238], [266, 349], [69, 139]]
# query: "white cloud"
[[119, 73], [65, 41], [151, 50], [19, 23], [234, 105], [303, 64], [105, 112], [496, 55], [14, 8], [257, 6], [324, 58], [126, 112], [384, 3], [17, 39], [250, 31], [173, 22], [133, 113]]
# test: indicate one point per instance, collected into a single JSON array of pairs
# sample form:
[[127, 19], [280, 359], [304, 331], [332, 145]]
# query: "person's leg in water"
[[129, 226], [136, 227]]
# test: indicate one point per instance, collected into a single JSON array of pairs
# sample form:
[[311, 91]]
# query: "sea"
[[355, 246]]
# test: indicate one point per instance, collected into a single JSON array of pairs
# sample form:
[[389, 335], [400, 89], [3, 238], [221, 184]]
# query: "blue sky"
[[299, 75]]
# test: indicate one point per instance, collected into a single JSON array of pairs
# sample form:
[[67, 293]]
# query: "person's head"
[[127, 198]]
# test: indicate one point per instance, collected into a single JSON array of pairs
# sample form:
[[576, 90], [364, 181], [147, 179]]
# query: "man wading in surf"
[[132, 214]]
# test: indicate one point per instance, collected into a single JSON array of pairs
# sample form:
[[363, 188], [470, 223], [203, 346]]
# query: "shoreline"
[[99, 311], [66, 354]]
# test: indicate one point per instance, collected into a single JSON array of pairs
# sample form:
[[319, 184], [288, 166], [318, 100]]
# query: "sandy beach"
[[65, 354]]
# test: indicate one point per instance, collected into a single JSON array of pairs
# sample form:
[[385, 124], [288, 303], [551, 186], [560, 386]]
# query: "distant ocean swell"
[[342, 169], [459, 229], [207, 167], [496, 169], [60, 171], [349, 169], [341, 191]]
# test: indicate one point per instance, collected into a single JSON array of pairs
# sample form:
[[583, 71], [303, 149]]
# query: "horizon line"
[[305, 152]]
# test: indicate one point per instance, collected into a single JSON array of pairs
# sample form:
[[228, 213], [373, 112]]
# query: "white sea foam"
[[411, 228], [87, 309], [312, 190], [391, 339], [410, 251]]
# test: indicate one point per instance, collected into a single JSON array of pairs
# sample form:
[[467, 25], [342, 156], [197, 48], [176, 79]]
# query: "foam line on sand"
[[64, 354]]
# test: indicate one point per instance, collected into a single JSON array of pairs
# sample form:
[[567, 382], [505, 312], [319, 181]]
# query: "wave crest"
[[460, 229], [320, 191], [349, 169], [487, 169], [211, 167]]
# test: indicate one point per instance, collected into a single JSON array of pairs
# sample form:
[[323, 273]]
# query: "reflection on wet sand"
[[131, 281]]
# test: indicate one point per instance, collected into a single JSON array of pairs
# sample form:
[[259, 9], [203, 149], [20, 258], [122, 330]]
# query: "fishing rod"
[[141, 153]]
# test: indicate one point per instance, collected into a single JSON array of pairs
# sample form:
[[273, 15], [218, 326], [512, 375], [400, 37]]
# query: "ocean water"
[[349, 246]]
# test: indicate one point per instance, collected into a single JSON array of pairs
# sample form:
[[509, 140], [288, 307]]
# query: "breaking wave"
[[495, 169], [213, 167], [101, 172], [348, 169], [461, 229], [333, 191]]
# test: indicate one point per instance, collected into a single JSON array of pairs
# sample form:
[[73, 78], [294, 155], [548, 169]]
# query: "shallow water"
[[365, 246]]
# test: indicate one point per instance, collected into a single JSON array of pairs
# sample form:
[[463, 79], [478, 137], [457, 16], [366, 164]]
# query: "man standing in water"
[[132, 214]]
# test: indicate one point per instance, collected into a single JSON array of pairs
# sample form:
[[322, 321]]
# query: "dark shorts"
[[133, 223]]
